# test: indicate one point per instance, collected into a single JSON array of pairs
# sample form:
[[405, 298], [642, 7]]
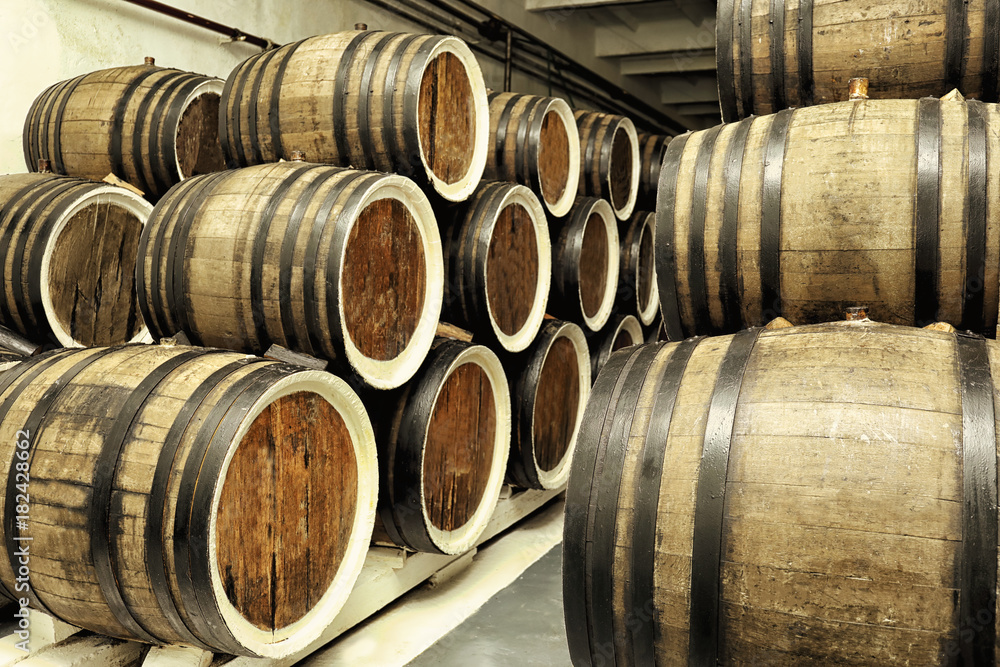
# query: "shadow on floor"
[[521, 626]]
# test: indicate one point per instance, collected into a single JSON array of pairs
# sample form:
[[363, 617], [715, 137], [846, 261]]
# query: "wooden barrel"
[[585, 261], [67, 252], [621, 331], [905, 50], [890, 204], [652, 148], [535, 143], [337, 263], [550, 384], [609, 160], [178, 495], [443, 443], [637, 291], [498, 260], [149, 126], [821, 495], [411, 104]]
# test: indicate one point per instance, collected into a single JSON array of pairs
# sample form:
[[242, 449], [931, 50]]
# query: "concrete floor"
[[522, 626]]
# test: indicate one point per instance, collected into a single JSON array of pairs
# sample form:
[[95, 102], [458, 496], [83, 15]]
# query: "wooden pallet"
[[388, 574]]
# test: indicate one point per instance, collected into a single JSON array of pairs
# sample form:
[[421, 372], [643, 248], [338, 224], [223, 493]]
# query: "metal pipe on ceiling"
[[611, 89], [234, 34]]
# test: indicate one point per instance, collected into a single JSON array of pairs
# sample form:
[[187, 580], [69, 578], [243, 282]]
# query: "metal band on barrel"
[[706, 553]]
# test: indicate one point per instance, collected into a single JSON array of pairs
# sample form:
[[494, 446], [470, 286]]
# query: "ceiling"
[[670, 43]]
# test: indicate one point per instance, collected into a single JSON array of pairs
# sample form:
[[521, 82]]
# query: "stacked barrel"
[[352, 257], [823, 493]]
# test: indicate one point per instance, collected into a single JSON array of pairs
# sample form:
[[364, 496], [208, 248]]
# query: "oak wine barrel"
[[178, 495], [443, 442], [498, 262], [620, 332], [394, 102], [799, 53], [340, 264], [652, 148], [637, 291], [535, 143], [818, 495], [585, 264], [550, 384], [150, 126], [888, 203], [609, 160], [67, 255]]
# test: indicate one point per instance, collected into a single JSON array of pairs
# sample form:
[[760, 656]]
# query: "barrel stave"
[[412, 104], [906, 52], [337, 263], [863, 189], [138, 123], [803, 578], [120, 457]]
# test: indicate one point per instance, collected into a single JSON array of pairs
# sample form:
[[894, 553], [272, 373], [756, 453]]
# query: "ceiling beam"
[[666, 35], [668, 63]]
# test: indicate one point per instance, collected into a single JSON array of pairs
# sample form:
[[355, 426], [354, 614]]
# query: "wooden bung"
[[339, 264], [498, 264], [68, 260], [550, 385], [858, 89], [891, 203], [637, 289], [166, 505], [411, 104], [620, 332], [150, 126], [815, 495], [585, 264], [535, 143], [610, 160], [443, 443], [799, 53]]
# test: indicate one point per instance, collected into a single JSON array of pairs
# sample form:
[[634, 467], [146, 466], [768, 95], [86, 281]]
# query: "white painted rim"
[[392, 373], [553, 479], [562, 206], [626, 125], [301, 633], [460, 540], [629, 324], [652, 309], [210, 85], [122, 197], [519, 194], [597, 322], [461, 189]]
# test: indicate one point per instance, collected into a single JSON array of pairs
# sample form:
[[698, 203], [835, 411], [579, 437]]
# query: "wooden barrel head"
[[88, 273], [447, 118], [557, 404], [594, 258], [512, 268], [384, 279], [459, 449], [620, 171], [287, 510], [198, 147], [623, 338], [554, 158], [647, 294]]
